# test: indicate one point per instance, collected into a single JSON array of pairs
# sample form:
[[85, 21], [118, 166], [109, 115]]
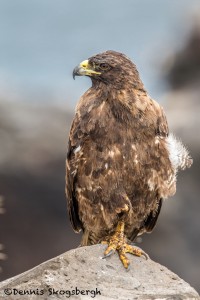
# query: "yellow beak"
[[84, 69]]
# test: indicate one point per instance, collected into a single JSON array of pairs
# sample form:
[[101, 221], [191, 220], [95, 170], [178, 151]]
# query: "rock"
[[83, 274], [185, 63]]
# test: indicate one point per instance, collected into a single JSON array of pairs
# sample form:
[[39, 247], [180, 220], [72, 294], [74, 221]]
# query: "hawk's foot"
[[118, 242]]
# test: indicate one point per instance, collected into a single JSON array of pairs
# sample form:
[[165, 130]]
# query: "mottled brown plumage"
[[121, 159]]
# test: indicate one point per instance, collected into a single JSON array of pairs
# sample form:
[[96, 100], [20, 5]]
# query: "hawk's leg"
[[119, 242]]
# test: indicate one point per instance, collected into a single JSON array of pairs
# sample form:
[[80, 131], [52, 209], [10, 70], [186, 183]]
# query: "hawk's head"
[[112, 68]]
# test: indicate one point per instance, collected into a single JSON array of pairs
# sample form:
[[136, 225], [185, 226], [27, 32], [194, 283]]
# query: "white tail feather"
[[178, 154]]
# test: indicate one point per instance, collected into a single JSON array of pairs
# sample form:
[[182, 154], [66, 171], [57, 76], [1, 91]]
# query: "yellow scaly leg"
[[118, 242]]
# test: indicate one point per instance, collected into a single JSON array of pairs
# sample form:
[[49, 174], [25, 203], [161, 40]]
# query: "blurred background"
[[41, 42]]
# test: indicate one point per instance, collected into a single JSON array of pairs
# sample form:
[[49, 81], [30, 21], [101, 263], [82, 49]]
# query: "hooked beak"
[[84, 69]]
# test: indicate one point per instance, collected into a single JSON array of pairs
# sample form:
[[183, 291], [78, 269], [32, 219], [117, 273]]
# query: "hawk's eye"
[[104, 66]]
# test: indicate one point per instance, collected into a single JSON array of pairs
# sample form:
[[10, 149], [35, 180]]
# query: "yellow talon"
[[104, 243], [118, 242]]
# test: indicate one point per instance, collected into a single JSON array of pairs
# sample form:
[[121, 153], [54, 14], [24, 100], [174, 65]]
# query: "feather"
[[178, 154]]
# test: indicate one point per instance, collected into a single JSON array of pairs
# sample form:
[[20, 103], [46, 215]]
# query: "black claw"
[[109, 254], [145, 255], [128, 268]]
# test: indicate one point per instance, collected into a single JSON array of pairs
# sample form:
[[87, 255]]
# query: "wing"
[[149, 223], [152, 218], [157, 114], [81, 127], [161, 126], [162, 131], [71, 171]]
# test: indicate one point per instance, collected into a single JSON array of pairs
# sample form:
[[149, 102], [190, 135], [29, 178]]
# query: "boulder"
[[82, 273]]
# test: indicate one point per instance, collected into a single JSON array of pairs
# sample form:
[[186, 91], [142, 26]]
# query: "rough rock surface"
[[83, 271]]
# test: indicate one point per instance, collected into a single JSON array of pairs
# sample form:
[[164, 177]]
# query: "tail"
[[90, 238]]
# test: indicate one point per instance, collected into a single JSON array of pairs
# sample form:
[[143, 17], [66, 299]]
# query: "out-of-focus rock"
[[183, 110], [83, 274], [32, 136], [33, 146], [2, 211], [183, 102], [186, 62]]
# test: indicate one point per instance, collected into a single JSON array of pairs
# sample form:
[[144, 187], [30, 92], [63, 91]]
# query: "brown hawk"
[[121, 162]]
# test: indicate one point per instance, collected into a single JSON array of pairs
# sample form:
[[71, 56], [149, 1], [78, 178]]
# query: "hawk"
[[121, 161]]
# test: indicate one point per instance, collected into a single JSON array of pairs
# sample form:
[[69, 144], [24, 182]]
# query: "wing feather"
[[161, 124], [71, 173], [152, 218]]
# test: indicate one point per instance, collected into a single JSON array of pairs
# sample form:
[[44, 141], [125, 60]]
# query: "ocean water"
[[42, 41]]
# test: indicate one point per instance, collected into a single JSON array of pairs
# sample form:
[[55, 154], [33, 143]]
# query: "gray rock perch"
[[83, 274]]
